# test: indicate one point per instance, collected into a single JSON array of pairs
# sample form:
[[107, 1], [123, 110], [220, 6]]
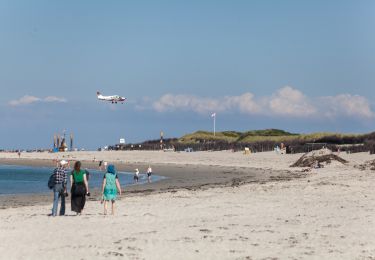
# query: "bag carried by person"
[[51, 181]]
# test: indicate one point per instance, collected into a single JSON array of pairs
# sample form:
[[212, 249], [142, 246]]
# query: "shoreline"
[[178, 177]]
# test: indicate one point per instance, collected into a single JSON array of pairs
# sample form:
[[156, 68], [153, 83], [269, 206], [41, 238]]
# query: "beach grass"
[[273, 135]]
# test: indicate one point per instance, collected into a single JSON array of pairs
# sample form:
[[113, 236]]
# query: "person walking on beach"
[[59, 188], [149, 173], [136, 176], [105, 165], [110, 188], [101, 165], [79, 188]]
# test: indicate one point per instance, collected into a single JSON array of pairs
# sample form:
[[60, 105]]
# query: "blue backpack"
[[51, 181]]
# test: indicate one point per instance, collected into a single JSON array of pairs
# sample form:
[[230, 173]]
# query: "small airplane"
[[114, 99]]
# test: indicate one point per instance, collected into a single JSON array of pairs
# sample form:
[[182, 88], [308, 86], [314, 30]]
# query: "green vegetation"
[[265, 135], [228, 136], [273, 135]]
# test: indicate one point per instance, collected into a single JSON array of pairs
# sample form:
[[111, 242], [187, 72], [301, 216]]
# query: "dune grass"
[[273, 135], [229, 136]]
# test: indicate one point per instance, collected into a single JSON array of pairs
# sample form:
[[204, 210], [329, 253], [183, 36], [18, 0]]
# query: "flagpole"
[[214, 116], [215, 125]]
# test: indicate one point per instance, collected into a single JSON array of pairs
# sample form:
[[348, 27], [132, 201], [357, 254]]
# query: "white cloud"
[[27, 100], [291, 102], [171, 102], [348, 105], [243, 103], [285, 102], [54, 99]]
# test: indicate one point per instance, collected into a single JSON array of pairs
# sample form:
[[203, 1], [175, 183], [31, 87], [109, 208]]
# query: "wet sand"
[[189, 177]]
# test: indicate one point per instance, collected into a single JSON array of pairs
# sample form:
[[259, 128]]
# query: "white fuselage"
[[113, 99]]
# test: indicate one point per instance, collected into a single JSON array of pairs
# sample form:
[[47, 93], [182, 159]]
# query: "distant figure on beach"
[[79, 188], [105, 166], [59, 188], [101, 165], [110, 188], [149, 173], [56, 161], [136, 176], [19, 154]]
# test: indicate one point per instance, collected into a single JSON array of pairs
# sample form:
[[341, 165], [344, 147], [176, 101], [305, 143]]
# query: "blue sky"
[[302, 66]]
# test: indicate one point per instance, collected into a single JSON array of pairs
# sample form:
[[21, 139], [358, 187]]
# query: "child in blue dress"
[[110, 188]]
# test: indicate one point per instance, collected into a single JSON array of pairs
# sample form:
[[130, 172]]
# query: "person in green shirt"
[[79, 188]]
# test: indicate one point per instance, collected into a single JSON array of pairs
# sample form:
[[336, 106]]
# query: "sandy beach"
[[193, 117], [214, 205]]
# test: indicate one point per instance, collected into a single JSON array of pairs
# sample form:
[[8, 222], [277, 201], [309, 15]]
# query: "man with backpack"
[[59, 183]]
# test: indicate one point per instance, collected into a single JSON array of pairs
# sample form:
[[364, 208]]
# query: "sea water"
[[28, 180]]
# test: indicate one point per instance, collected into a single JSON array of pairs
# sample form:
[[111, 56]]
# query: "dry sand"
[[224, 158], [327, 214]]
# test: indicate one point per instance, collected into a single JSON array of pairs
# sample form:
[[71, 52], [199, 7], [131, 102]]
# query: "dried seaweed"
[[312, 160], [367, 165]]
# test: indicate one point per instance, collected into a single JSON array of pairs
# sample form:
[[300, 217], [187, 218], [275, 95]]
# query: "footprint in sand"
[[133, 248], [224, 228], [230, 215], [205, 230], [148, 214], [243, 238], [129, 239], [112, 253]]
